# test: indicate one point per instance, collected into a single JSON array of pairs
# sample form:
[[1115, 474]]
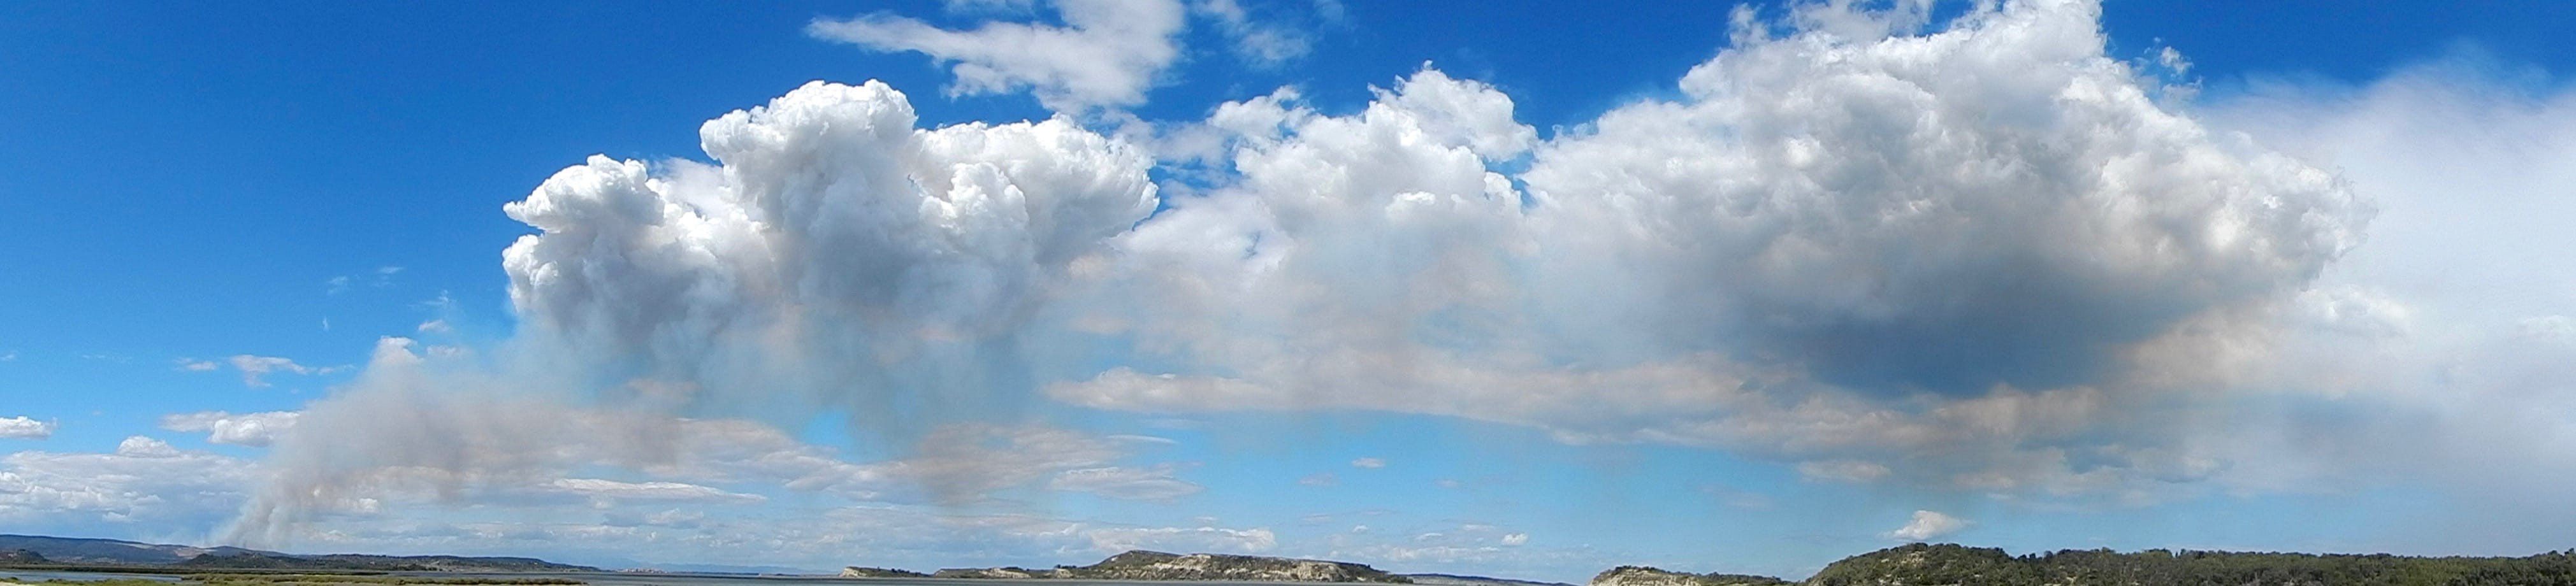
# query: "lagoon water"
[[679, 579]]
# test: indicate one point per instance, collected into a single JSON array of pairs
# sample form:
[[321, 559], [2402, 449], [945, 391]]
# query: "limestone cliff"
[[1646, 576]]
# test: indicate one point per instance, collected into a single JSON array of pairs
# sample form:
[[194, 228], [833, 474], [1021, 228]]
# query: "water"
[[680, 579]]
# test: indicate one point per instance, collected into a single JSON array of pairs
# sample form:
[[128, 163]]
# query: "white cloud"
[[380, 277], [836, 238], [1260, 44], [22, 427], [1145, 484], [1105, 54], [247, 429], [1193, 539], [1369, 463], [1984, 259], [255, 369], [609, 491], [145, 482], [1842, 470], [1770, 264], [145, 447], [1927, 525], [1320, 479]]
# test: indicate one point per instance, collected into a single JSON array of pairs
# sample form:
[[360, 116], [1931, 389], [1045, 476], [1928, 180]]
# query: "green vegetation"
[[1653, 576], [1928, 565]]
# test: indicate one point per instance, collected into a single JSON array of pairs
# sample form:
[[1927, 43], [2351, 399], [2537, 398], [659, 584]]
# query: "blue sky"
[[1531, 291]]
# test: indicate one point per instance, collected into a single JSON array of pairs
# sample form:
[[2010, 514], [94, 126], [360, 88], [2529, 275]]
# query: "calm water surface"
[[680, 579]]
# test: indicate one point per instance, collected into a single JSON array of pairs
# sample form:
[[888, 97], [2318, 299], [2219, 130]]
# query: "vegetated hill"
[[866, 572], [20, 556], [1947, 564], [1155, 565], [1648, 576], [76, 550]]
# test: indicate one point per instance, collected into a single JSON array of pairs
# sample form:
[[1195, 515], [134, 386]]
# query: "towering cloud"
[[832, 250]]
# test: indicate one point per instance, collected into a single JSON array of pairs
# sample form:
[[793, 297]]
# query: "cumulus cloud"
[[836, 251], [145, 481], [1106, 53], [22, 427], [1845, 242], [247, 429], [1369, 463], [1928, 525]]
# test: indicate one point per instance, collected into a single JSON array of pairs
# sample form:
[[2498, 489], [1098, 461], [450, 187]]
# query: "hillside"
[[1941, 565], [110, 552], [1647, 576]]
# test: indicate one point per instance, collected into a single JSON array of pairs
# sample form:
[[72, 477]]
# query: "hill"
[[111, 552], [1648, 576], [1947, 564]]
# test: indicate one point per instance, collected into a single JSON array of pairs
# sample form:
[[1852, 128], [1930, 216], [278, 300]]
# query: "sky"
[[1521, 289]]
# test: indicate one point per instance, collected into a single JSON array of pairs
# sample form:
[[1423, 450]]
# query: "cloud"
[[1927, 525], [1264, 45], [1320, 479], [247, 429], [21, 427], [1842, 471], [1369, 463], [1105, 54], [255, 369], [1452, 543], [1978, 256], [837, 249], [145, 447], [1845, 242], [409, 430], [610, 491], [146, 482], [1143, 484], [380, 277], [1194, 539]]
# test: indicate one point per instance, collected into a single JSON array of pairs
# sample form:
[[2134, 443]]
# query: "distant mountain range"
[[111, 552]]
